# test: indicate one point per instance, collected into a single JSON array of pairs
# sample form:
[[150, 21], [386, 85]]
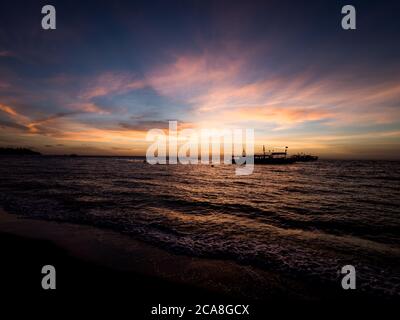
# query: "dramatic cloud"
[[98, 84]]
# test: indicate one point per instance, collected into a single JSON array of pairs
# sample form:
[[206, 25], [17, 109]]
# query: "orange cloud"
[[289, 102], [282, 116], [118, 137], [8, 110]]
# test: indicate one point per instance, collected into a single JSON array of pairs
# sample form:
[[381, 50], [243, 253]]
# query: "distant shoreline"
[[144, 157], [18, 152]]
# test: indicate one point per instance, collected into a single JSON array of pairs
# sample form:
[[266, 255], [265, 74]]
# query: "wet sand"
[[107, 266]]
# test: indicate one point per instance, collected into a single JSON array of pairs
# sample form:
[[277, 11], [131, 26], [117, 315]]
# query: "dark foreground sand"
[[101, 269]]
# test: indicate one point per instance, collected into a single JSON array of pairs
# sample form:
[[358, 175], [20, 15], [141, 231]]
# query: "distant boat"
[[271, 158], [304, 158]]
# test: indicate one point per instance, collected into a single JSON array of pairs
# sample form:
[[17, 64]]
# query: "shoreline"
[[122, 254], [115, 267]]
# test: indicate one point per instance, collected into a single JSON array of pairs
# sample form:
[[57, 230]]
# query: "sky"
[[112, 70]]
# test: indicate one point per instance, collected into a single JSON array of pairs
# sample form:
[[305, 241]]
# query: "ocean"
[[304, 219]]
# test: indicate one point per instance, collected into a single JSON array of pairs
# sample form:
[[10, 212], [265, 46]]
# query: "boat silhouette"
[[304, 157], [270, 157]]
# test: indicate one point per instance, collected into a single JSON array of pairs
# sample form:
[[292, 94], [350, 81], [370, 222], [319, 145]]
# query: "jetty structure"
[[279, 157], [273, 157]]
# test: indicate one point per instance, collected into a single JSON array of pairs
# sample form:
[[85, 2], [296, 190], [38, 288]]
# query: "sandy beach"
[[116, 270], [121, 253]]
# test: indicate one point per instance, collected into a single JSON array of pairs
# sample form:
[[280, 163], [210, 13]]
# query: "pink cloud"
[[5, 53], [289, 101], [110, 83], [189, 76]]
